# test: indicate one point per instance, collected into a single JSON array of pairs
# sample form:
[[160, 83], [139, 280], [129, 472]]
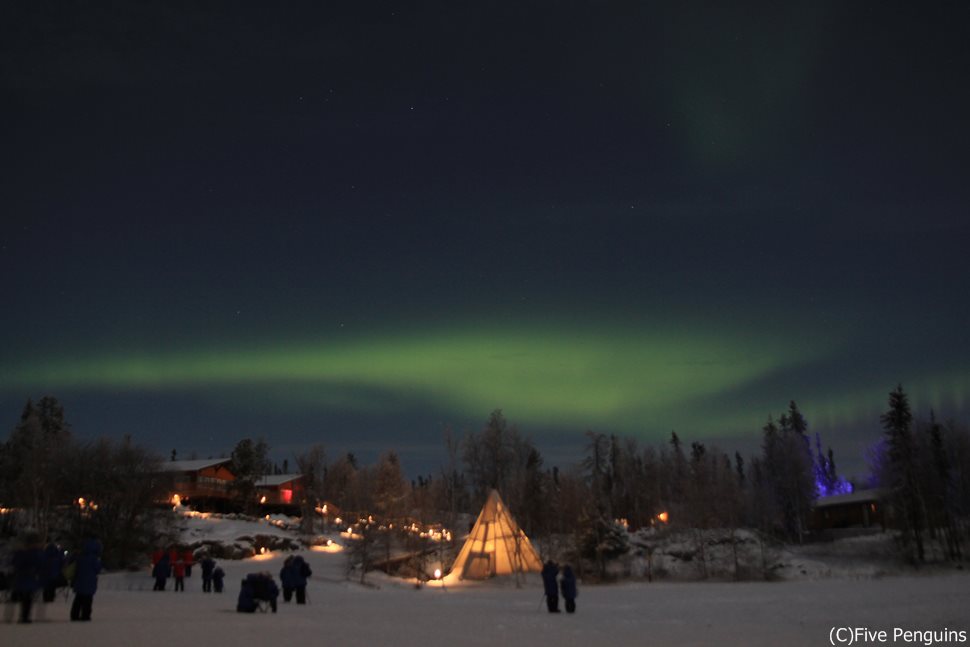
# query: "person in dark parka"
[[87, 565], [551, 586], [217, 577], [246, 602], [568, 586], [288, 578], [53, 571], [208, 565], [301, 571], [28, 572], [256, 587], [162, 570], [178, 571]]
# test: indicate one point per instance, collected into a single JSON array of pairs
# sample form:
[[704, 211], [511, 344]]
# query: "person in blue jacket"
[[568, 587], [246, 602], [301, 571], [549, 573], [28, 573], [163, 568], [87, 567], [53, 571]]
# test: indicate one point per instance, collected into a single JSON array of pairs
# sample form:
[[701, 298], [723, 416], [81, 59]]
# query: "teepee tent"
[[496, 545]]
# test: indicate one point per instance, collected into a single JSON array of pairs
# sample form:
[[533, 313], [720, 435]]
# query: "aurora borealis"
[[614, 377], [359, 225]]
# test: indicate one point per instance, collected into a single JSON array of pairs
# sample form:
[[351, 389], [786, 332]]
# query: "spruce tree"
[[939, 499], [904, 487], [534, 498], [790, 469], [739, 469], [677, 490]]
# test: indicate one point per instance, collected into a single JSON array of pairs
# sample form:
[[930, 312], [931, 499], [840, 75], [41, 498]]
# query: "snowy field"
[[392, 612]]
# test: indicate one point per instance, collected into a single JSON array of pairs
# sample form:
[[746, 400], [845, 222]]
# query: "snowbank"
[[392, 611]]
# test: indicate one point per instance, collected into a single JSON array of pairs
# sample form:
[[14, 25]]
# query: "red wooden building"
[[202, 484]]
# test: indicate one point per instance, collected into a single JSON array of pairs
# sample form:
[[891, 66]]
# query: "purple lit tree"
[[827, 480]]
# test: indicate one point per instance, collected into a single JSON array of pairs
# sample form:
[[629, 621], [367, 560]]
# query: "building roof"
[[273, 480], [192, 466], [859, 496]]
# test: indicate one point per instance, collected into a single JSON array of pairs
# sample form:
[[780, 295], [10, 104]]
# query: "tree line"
[[67, 490], [923, 468]]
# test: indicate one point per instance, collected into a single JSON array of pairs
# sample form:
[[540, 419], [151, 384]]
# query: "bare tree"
[[115, 481], [250, 461], [313, 467]]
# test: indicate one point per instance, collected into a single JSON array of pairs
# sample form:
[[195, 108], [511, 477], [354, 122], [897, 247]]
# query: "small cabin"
[[859, 510], [280, 491]]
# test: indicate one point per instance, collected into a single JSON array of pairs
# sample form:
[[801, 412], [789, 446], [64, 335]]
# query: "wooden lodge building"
[[206, 486], [202, 484]]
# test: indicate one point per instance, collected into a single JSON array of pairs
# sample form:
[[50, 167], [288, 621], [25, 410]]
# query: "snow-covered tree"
[[790, 469]]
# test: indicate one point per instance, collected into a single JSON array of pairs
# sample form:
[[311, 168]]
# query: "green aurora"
[[612, 378]]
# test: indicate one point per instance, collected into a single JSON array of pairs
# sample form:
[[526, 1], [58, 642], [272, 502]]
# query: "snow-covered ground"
[[394, 612]]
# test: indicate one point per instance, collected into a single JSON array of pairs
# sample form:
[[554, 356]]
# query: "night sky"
[[358, 223]]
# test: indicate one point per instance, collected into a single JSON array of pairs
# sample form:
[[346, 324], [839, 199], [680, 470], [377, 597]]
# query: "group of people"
[[212, 575], [257, 588], [166, 564], [260, 588], [48, 569], [553, 586]]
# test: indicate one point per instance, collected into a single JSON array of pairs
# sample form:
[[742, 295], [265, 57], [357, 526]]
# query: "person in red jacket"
[[189, 559]]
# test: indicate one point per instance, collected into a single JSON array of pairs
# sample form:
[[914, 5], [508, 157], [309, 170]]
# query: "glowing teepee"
[[495, 546]]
